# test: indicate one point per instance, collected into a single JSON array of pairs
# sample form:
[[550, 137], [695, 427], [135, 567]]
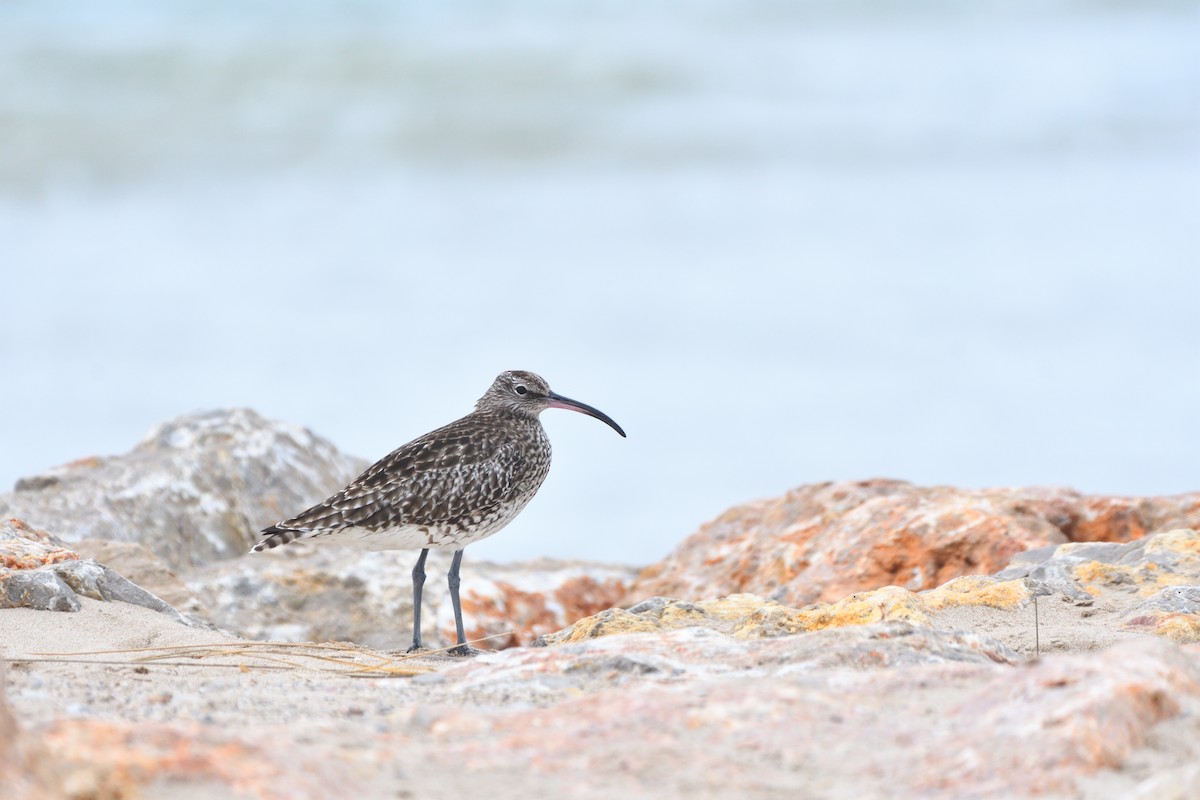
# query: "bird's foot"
[[415, 647], [464, 651]]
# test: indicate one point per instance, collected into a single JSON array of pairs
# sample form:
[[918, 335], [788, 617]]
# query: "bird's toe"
[[464, 651]]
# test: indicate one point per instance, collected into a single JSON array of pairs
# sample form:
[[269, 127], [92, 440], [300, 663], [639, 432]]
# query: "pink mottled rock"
[[27, 771], [924, 731], [888, 710], [824, 541], [1054, 721], [104, 759]]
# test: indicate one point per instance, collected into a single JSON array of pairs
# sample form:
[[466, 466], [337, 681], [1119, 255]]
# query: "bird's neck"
[[512, 416]]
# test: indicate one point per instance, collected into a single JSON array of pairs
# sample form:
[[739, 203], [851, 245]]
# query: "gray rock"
[[1053, 578], [39, 589], [140, 566], [89, 579], [58, 587], [1171, 600], [311, 592], [38, 572], [1136, 564], [195, 490]]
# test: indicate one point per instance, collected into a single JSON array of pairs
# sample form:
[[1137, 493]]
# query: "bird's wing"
[[444, 477]]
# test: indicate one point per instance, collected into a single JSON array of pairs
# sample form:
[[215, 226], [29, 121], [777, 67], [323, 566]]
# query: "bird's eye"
[[521, 390]]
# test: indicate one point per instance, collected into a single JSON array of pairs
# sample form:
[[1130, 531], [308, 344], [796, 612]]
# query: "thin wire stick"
[[1037, 628]]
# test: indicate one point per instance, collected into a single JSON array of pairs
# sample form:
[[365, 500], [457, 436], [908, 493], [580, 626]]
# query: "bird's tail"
[[276, 536]]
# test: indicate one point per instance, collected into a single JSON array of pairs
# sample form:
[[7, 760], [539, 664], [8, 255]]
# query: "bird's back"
[[450, 487]]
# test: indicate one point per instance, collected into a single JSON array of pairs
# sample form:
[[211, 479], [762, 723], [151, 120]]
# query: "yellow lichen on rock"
[[748, 616], [1182, 540], [607, 623], [728, 609], [1147, 578], [745, 616], [1178, 627], [977, 590], [863, 608], [769, 620], [1169, 560]]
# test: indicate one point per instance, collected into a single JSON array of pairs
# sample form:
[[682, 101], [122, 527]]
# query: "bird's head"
[[528, 394]]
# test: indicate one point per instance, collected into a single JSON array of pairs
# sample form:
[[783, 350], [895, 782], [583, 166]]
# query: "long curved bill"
[[558, 401]]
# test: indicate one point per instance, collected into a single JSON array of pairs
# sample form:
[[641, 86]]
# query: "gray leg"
[[453, 580], [418, 576]]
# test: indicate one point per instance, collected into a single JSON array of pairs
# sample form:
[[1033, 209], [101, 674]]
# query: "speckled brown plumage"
[[453, 486]]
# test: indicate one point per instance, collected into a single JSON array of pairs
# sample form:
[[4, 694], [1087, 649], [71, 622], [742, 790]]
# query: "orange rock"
[[1112, 519], [825, 541], [541, 600]]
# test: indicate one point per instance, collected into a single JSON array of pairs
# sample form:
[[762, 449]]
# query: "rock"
[[195, 490], [513, 604], [37, 572], [28, 561], [135, 562], [307, 592], [59, 586], [27, 771], [114, 760], [1036, 730], [880, 710], [747, 616], [824, 541], [696, 650], [894, 603], [681, 720], [24, 547], [39, 589], [725, 615], [1143, 567], [1181, 783], [89, 579], [1147, 587], [1121, 519], [694, 655], [1173, 612]]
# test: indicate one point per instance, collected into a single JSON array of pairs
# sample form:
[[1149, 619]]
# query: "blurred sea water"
[[779, 242]]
